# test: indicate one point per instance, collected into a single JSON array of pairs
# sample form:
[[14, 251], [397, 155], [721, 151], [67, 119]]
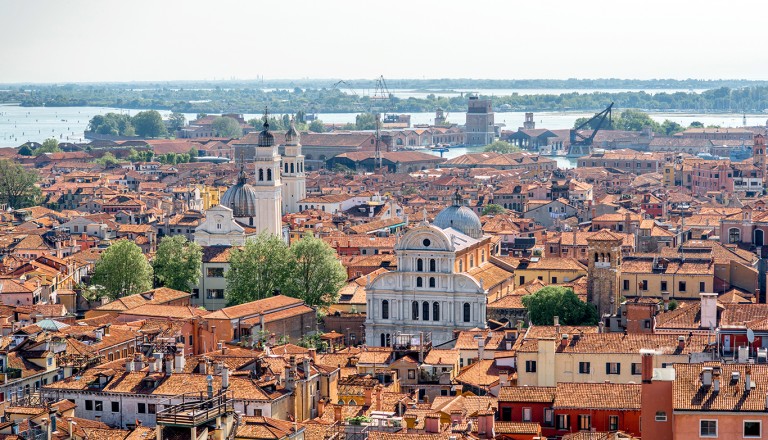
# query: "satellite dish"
[[750, 335]]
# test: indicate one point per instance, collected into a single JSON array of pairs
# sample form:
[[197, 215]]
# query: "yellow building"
[[552, 270], [681, 278], [601, 357], [211, 195]]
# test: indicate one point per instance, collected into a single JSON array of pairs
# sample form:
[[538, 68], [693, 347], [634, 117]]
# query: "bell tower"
[[294, 180], [268, 185], [604, 271], [759, 155]]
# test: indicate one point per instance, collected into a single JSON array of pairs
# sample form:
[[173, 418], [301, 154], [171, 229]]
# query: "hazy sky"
[[101, 40]]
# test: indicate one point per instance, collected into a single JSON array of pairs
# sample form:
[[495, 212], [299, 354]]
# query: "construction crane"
[[582, 145]]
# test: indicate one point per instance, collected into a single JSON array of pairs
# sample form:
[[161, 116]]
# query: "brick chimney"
[[410, 419], [563, 340], [647, 365], [378, 398], [320, 407], [337, 413], [485, 424], [368, 394]]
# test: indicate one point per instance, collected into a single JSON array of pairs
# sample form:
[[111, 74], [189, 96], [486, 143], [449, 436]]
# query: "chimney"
[[647, 365], [432, 423], [320, 407], [337, 413], [152, 366], [503, 378], [410, 419], [480, 348], [221, 347], [305, 367], [748, 378], [169, 364], [312, 354], [289, 379], [202, 366], [601, 327], [72, 423], [456, 416], [706, 376], [485, 424], [368, 394], [378, 398], [557, 324], [563, 340], [681, 342], [129, 366], [708, 310], [180, 360], [716, 383], [224, 377]]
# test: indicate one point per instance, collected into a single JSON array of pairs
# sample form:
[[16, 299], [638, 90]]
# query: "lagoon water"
[[67, 124]]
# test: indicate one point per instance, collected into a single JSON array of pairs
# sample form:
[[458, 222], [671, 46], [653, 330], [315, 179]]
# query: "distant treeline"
[[226, 97]]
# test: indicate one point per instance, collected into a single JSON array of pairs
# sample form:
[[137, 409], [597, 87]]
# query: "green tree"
[[122, 270], [316, 126], [553, 301], [258, 269], [316, 273], [201, 115], [227, 127], [696, 124], [107, 160], [502, 147], [671, 127], [365, 121], [635, 120], [672, 305], [50, 145], [149, 123], [18, 187], [178, 263], [176, 121], [25, 151], [493, 209]]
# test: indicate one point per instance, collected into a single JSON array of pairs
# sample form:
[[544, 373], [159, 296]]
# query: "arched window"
[[734, 235], [389, 339], [291, 166], [759, 237], [385, 309], [467, 313], [286, 167], [269, 174], [419, 265], [383, 342], [419, 282], [261, 175], [435, 311], [432, 265], [608, 257], [415, 310], [425, 311], [250, 221], [602, 257], [596, 256], [432, 282]]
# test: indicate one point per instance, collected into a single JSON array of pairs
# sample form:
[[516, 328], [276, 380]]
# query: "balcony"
[[195, 409], [10, 374]]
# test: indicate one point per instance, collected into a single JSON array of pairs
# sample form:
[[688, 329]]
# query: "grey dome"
[[266, 139], [461, 218], [240, 198]]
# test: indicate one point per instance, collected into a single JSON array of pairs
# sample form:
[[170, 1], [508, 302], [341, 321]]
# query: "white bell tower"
[[294, 182], [268, 185]]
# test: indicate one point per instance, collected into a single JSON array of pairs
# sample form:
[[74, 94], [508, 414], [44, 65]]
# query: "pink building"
[[711, 176]]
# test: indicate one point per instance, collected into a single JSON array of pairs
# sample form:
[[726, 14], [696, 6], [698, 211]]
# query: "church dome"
[[291, 136], [240, 198], [461, 218]]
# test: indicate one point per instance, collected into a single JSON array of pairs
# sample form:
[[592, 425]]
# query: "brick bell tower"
[[759, 156], [604, 271]]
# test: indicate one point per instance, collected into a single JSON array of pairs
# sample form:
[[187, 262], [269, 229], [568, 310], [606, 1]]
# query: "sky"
[[164, 40]]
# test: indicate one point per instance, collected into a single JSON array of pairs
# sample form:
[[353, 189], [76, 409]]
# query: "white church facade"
[[431, 291]]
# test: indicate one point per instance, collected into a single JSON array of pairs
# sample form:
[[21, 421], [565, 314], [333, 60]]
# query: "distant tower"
[[294, 182], [268, 185], [744, 120], [529, 123], [479, 128], [759, 156], [439, 117], [604, 271]]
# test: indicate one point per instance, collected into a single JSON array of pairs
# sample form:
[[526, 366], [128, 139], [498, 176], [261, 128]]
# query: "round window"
[[426, 242]]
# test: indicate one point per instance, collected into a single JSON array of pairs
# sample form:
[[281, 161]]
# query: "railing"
[[194, 409], [10, 374]]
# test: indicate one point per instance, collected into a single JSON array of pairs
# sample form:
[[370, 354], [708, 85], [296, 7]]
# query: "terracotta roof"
[[261, 306], [690, 395], [619, 396], [527, 394]]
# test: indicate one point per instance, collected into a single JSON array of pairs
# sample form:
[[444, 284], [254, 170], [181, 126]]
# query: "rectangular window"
[[215, 272], [626, 285], [644, 285], [89, 405], [681, 286], [708, 428], [663, 286], [151, 408], [526, 414], [585, 422], [636, 368], [613, 423], [530, 366], [612, 368], [549, 416], [522, 280], [584, 367], [661, 416], [554, 280], [214, 293], [411, 374], [752, 429], [98, 405], [142, 408], [506, 413], [702, 286], [563, 422], [116, 407]]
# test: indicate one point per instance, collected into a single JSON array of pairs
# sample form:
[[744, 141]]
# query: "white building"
[[294, 186], [431, 290], [221, 229]]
